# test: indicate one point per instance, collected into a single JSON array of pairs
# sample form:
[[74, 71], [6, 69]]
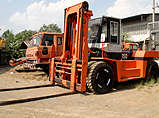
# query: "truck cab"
[[39, 51], [104, 32]]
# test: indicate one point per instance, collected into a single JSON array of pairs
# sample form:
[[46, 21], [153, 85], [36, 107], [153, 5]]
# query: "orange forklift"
[[38, 53], [92, 54]]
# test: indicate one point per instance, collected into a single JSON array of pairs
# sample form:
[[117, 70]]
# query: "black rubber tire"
[[100, 78], [90, 63], [151, 71]]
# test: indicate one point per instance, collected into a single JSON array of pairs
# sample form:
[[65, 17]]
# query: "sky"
[[19, 15]]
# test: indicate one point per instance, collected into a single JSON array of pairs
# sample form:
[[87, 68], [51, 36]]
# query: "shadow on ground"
[[5, 68]]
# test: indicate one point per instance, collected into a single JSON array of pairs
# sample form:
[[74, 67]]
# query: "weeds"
[[128, 84], [139, 84], [150, 83]]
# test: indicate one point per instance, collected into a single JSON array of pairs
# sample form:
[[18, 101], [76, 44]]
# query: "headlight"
[[35, 61]]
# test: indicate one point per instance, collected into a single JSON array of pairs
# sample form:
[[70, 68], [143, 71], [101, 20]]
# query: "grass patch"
[[150, 83], [139, 84], [129, 84]]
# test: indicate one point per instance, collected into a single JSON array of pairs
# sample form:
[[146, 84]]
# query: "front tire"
[[100, 78], [90, 63]]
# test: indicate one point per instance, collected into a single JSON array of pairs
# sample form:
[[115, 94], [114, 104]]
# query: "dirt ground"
[[124, 103]]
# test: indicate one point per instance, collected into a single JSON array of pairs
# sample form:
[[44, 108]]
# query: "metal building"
[[140, 27]]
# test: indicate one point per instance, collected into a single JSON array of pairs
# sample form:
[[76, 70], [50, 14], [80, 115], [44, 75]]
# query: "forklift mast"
[[76, 30], [71, 69]]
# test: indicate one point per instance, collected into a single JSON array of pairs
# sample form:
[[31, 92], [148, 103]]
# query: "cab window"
[[59, 40], [47, 40], [131, 47], [135, 47], [114, 32]]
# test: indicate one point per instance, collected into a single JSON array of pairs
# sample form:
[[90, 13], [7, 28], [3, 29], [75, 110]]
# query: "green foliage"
[[25, 35], [150, 83], [126, 37], [50, 28], [8, 35], [13, 46]]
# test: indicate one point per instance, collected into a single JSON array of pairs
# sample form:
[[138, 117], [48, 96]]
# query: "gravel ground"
[[124, 103]]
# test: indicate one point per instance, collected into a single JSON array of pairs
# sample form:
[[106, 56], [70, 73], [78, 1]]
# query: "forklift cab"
[[104, 32]]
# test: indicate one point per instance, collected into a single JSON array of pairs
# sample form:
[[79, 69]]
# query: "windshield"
[[93, 30], [35, 40]]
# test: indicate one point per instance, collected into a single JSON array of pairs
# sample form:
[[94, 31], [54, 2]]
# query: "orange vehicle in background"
[[128, 49], [130, 46], [38, 53]]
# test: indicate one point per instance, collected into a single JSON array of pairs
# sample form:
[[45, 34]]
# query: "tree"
[[13, 46], [25, 35], [8, 35], [50, 28]]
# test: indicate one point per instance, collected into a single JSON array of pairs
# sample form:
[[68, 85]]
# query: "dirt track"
[[124, 103]]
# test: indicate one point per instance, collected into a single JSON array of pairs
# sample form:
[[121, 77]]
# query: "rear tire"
[[100, 78], [152, 71]]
